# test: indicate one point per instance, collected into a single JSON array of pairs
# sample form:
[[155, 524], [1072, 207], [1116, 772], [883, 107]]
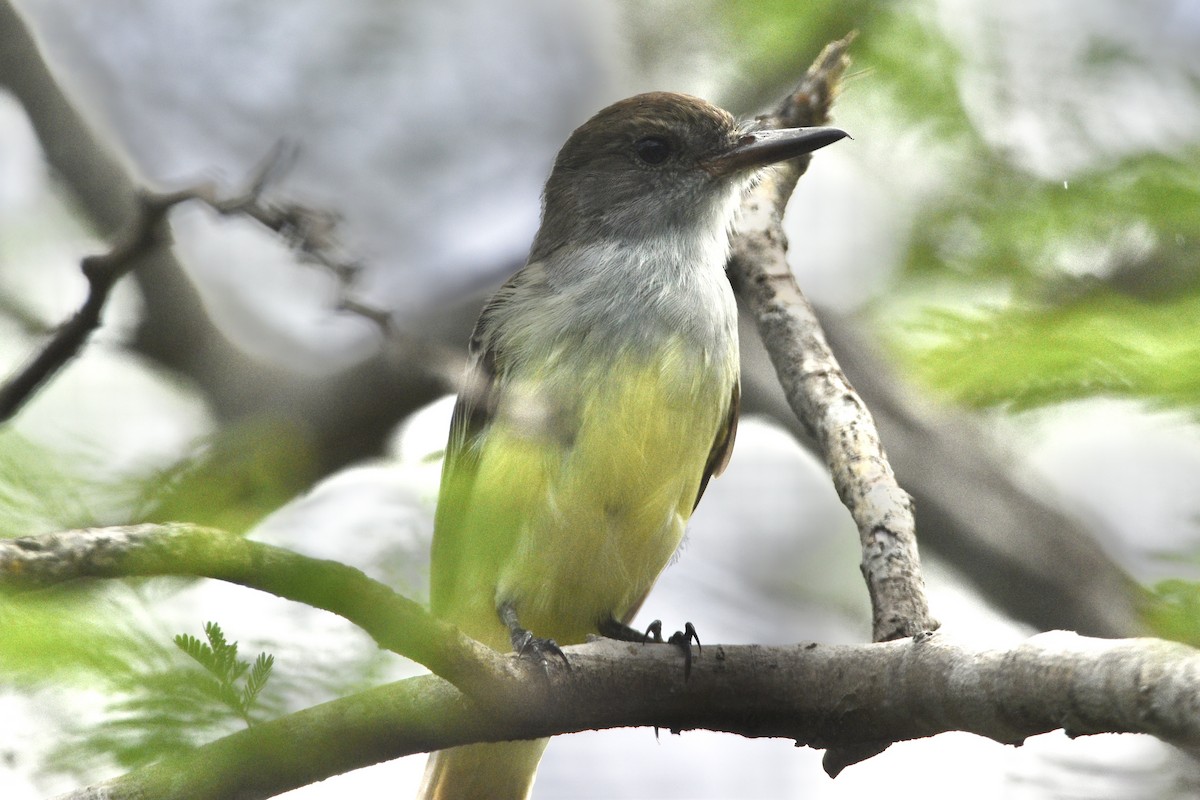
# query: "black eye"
[[652, 150]]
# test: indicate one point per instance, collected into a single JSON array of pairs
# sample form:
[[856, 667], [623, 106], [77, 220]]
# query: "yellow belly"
[[584, 485]]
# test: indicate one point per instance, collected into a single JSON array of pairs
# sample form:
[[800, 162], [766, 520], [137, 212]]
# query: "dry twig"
[[815, 385]]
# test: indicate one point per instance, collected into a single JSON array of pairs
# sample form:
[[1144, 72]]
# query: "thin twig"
[[145, 234], [311, 233]]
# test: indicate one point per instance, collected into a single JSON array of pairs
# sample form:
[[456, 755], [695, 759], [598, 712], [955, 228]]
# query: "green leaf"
[[42, 490], [259, 675], [1176, 614]]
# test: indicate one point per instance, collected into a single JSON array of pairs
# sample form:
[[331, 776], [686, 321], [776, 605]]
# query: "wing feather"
[[722, 449], [469, 423]]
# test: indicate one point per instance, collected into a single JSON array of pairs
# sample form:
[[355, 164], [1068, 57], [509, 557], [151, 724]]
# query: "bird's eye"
[[653, 150]]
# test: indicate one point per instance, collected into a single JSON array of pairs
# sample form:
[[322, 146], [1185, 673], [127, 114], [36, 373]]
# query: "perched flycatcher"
[[600, 397]]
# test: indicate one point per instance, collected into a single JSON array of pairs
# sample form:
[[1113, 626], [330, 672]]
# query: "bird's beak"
[[759, 148]]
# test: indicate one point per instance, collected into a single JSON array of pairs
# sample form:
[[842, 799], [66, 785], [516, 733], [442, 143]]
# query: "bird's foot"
[[682, 639], [537, 649], [528, 646]]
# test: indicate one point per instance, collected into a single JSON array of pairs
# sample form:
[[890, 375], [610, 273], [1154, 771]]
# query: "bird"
[[600, 396]]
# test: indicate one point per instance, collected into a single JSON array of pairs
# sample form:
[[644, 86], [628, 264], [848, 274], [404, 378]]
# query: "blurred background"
[[1005, 257]]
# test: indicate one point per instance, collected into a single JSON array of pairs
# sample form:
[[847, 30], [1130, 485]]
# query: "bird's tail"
[[501, 771]]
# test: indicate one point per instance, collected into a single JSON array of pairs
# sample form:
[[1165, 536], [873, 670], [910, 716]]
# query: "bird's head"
[[659, 164]]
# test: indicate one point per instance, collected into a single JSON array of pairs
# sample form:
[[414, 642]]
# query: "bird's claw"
[[682, 639], [537, 649], [654, 632], [525, 644], [685, 637]]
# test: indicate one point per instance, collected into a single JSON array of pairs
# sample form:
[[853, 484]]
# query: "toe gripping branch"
[[525, 644], [682, 639]]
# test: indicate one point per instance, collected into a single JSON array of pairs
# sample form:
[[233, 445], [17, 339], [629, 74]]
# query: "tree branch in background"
[[183, 337], [102, 273], [101, 181], [345, 416], [816, 695], [815, 385], [144, 235]]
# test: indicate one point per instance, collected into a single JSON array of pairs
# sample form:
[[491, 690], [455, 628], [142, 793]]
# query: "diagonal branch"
[[395, 622], [102, 273], [815, 385], [816, 695]]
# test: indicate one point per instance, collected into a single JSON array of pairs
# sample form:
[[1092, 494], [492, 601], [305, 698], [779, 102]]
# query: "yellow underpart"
[[584, 485]]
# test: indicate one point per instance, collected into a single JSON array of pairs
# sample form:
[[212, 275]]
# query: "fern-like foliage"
[[234, 683], [1104, 343], [164, 704]]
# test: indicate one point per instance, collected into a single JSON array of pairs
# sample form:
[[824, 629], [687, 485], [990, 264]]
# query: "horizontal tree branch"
[[816, 695], [845, 698]]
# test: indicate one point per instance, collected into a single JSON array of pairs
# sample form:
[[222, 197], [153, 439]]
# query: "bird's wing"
[[722, 449], [473, 413]]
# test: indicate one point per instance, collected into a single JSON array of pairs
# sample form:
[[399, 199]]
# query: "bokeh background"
[[1006, 256]]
